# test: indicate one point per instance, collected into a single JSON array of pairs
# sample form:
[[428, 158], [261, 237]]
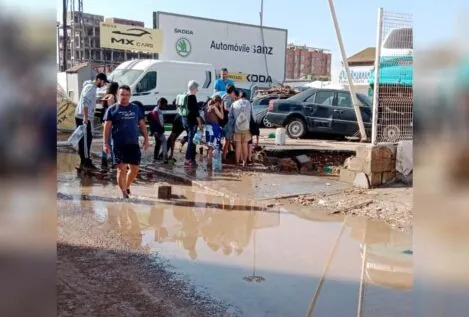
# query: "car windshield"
[[302, 96], [399, 39], [365, 100], [125, 76]]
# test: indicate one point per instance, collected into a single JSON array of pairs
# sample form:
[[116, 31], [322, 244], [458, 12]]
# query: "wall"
[[223, 44]]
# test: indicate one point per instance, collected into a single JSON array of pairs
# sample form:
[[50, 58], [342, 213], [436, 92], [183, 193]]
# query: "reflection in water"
[[122, 217], [225, 231], [386, 253]]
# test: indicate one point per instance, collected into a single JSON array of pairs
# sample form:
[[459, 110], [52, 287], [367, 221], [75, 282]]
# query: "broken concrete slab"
[[404, 157], [361, 181]]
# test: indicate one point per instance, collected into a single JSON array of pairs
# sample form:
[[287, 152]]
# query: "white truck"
[[151, 79]]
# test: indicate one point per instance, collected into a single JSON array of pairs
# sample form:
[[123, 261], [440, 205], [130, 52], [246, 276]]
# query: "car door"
[[344, 117], [318, 110]]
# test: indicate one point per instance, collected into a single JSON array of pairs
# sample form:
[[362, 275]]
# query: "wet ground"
[[203, 255]]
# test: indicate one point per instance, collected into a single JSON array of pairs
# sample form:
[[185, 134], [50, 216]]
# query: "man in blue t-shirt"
[[223, 81], [124, 120]]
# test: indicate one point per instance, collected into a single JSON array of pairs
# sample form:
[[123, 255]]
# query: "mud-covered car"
[[320, 110]]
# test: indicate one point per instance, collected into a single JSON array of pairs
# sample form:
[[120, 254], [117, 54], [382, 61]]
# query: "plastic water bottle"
[[280, 136], [216, 161], [197, 138]]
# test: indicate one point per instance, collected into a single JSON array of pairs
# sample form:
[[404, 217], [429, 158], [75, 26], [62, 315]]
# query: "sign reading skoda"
[[242, 48], [183, 47]]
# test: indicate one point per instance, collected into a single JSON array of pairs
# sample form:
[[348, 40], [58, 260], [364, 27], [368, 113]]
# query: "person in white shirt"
[[84, 114], [240, 115]]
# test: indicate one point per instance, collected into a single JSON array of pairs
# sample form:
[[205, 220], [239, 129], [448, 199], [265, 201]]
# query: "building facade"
[[85, 46], [310, 63]]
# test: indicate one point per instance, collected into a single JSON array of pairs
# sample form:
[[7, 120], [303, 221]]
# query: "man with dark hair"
[[222, 82], [124, 119], [84, 114]]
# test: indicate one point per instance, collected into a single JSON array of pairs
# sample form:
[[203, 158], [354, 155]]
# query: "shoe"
[[128, 191], [125, 195], [165, 162]]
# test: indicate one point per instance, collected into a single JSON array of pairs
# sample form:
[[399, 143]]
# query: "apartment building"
[[84, 46], [310, 63]]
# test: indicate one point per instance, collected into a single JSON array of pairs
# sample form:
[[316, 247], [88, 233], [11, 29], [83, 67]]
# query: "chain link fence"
[[393, 79]]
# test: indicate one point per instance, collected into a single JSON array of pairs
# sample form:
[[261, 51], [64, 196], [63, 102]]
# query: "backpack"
[[153, 119], [242, 122], [181, 104]]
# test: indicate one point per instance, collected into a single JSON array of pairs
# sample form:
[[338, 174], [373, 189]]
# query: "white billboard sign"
[[238, 47], [360, 75]]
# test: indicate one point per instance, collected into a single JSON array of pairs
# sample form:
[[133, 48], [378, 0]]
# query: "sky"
[[308, 22]]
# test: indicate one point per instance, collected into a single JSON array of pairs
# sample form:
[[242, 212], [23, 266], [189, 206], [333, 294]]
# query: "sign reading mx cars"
[[131, 38]]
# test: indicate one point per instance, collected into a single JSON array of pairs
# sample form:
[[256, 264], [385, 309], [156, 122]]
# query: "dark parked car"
[[319, 110], [259, 109]]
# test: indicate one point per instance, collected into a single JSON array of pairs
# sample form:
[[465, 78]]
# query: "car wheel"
[[296, 128], [259, 117], [391, 133], [266, 123]]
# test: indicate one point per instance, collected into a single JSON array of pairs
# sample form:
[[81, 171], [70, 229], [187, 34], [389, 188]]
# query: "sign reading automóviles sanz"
[[132, 38], [360, 75], [238, 47]]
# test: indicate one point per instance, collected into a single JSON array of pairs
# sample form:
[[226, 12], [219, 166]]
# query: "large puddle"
[[262, 262]]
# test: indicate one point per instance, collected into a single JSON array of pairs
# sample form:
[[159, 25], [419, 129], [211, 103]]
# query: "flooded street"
[[203, 255]]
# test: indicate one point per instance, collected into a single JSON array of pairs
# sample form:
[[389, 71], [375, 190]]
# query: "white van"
[[398, 42], [151, 79]]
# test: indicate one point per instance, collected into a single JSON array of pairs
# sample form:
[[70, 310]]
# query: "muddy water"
[[260, 262]]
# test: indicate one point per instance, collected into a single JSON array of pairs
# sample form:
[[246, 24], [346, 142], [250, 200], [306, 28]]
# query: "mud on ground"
[[101, 273], [391, 205]]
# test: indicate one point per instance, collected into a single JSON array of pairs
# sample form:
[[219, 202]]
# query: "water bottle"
[[216, 161], [197, 138]]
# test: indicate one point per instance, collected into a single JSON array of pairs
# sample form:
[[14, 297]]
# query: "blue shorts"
[[127, 154]]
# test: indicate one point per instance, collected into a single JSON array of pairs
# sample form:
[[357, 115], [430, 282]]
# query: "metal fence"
[[393, 79]]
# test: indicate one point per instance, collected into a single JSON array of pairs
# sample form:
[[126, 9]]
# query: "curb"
[[177, 178]]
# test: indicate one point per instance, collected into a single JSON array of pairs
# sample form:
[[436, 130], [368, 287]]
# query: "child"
[[213, 115], [156, 122]]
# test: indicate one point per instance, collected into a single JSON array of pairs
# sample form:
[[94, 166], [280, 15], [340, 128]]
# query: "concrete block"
[[361, 181], [375, 179], [347, 176], [369, 152], [380, 165], [356, 164], [164, 191]]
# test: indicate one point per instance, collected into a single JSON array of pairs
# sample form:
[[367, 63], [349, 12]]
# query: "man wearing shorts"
[[124, 120]]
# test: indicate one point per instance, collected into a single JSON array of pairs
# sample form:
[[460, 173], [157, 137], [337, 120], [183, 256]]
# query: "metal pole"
[[379, 39], [326, 269], [261, 14], [65, 35], [362, 282], [355, 101], [361, 292]]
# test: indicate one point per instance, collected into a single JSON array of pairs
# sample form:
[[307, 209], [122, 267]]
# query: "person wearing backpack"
[[188, 109], [240, 115], [156, 121]]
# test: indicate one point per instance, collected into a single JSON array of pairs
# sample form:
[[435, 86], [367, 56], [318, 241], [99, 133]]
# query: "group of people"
[[227, 116]]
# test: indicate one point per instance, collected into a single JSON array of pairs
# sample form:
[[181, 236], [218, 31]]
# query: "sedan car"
[[259, 109], [320, 110]]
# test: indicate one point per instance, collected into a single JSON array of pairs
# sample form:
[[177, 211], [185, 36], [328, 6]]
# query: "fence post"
[[379, 39], [355, 101]]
